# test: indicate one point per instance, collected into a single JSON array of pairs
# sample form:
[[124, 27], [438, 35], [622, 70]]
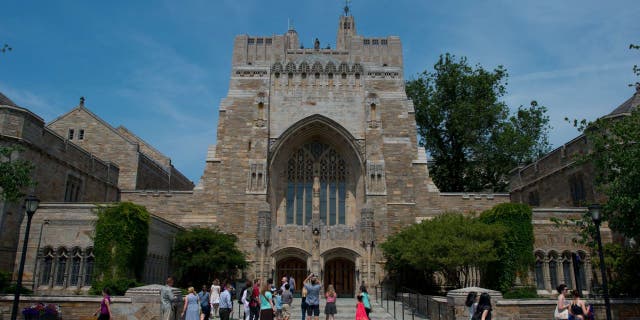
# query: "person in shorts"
[[313, 286], [287, 300]]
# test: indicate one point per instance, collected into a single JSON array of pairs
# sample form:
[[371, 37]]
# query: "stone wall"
[[138, 170], [66, 229], [55, 160], [141, 303]]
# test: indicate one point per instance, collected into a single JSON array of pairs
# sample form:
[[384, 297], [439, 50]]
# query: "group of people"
[[576, 309], [479, 306], [260, 301]]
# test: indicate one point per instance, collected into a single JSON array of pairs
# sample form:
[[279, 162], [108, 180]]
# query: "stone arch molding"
[[317, 125]]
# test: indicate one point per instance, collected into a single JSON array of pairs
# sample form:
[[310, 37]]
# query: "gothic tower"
[[317, 159]]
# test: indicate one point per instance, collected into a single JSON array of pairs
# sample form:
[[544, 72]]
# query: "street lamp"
[[30, 205], [594, 210]]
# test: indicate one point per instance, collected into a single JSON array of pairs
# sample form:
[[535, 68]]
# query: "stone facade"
[[62, 171], [557, 180], [60, 250], [316, 160], [141, 166]]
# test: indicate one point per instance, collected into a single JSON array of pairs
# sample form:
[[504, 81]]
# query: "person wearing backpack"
[[254, 305], [205, 304]]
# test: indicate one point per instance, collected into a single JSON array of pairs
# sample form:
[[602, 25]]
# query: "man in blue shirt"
[[203, 295], [226, 304]]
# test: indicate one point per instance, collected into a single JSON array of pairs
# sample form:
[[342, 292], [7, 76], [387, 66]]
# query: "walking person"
[[168, 300], [287, 301], [577, 308], [361, 313], [205, 303], [562, 307], [292, 284], [483, 311], [191, 308], [246, 298], [215, 297], [313, 286], [267, 309], [225, 304], [330, 307], [365, 300], [254, 302], [105, 306], [471, 303]]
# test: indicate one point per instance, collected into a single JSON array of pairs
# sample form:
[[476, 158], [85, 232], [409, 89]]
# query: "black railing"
[[406, 304]]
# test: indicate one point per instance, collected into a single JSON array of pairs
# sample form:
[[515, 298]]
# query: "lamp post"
[[30, 205], [594, 210]]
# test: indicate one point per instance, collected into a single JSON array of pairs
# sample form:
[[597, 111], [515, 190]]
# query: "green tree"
[[450, 244], [201, 254], [468, 131], [515, 248], [120, 245], [15, 174]]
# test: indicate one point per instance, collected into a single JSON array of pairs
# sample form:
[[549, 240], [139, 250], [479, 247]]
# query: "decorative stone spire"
[[81, 102], [346, 7]]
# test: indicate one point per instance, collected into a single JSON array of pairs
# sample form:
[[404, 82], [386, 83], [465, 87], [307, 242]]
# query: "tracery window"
[[61, 268], [75, 268], [553, 270], [316, 170], [47, 265], [88, 267], [539, 272]]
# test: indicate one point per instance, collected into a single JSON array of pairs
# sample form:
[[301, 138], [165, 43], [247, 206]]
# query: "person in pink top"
[[104, 312], [330, 308]]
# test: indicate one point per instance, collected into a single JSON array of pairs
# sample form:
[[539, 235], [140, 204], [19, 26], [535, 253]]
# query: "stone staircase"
[[347, 311]]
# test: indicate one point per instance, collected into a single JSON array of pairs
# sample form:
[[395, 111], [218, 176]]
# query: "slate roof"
[[4, 101], [627, 106]]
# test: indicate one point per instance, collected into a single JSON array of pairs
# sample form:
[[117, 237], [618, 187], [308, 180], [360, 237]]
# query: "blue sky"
[[161, 68]]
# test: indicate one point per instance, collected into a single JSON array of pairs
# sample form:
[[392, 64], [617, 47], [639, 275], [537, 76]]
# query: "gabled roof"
[[4, 101], [627, 106], [93, 115]]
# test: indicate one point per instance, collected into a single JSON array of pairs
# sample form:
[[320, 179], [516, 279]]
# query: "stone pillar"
[[263, 241], [145, 303], [456, 298], [367, 238]]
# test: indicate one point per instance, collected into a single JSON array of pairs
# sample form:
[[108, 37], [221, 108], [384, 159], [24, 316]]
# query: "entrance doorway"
[[295, 267], [340, 272]]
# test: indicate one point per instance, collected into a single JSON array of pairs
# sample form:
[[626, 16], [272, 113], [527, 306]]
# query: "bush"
[[5, 278], [118, 287], [521, 293], [12, 289]]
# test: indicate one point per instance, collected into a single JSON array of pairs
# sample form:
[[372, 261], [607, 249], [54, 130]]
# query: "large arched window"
[[316, 171]]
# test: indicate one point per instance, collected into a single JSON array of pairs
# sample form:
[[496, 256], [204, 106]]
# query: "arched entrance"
[[292, 266], [340, 272]]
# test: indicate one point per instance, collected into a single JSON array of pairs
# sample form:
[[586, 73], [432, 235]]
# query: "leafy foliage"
[[451, 244], [521, 293], [118, 286], [5, 278], [15, 174], [201, 254], [623, 265], [120, 243], [515, 250], [468, 131]]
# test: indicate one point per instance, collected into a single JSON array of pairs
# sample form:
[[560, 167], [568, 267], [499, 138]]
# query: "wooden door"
[[340, 273], [295, 267]]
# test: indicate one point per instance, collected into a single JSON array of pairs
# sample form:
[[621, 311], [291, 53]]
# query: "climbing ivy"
[[120, 243], [515, 250], [15, 174]]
